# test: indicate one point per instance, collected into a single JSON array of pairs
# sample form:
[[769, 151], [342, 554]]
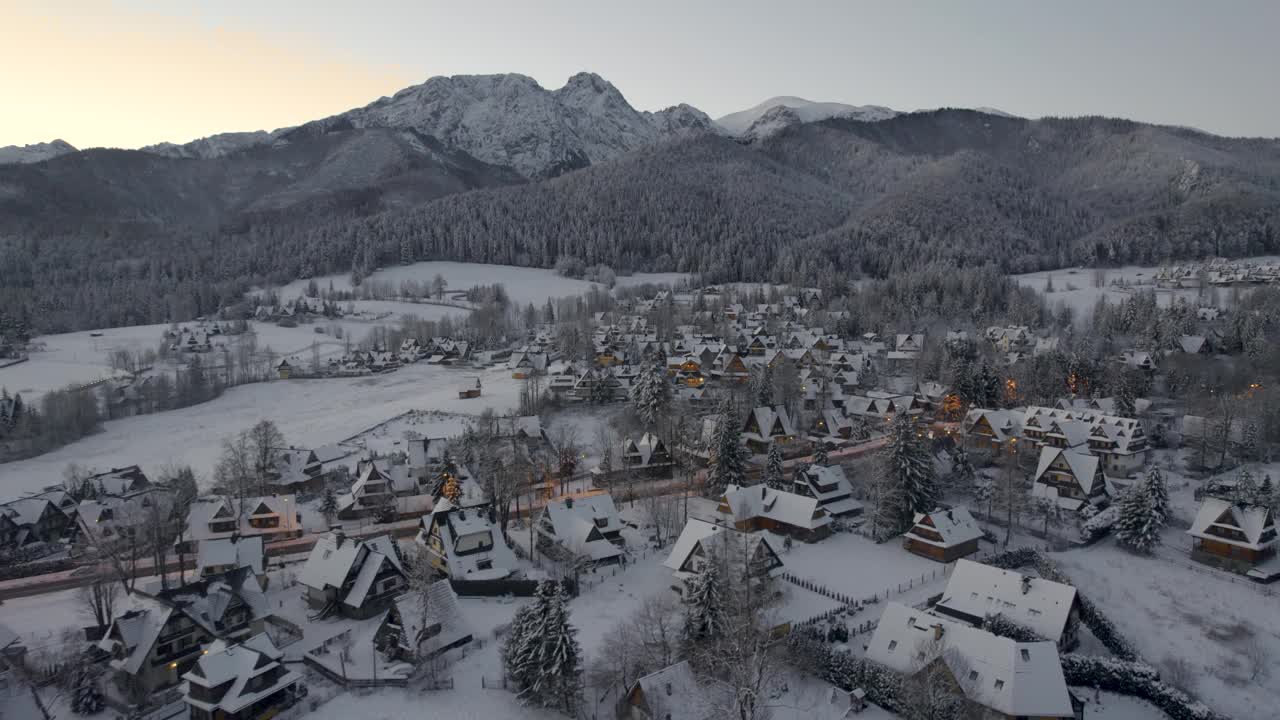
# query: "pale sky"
[[126, 73]]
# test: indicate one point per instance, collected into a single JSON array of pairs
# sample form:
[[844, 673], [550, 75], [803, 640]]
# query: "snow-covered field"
[[524, 285], [310, 413], [84, 357], [1076, 287]]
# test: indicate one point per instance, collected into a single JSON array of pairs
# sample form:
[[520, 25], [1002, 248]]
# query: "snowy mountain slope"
[[512, 120], [34, 153], [215, 146], [682, 119], [802, 111]]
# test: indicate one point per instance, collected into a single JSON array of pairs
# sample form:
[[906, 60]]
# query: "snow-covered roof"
[[787, 508], [1255, 522], [955, 525], [210, 508], [335, 558], [472, 526], [1012, 678], [441, 609], [233, 552], [132, 634], [673, 693], [580, 525], [976, 590], [236, 665], [1083, 466], [699, 533]]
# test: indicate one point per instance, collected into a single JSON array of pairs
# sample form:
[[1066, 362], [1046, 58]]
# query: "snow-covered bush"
[[1097, 526]]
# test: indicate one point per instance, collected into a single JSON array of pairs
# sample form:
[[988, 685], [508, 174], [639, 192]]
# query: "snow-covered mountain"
[[215, 146], [34, 153], [512, 120], [779, 112]]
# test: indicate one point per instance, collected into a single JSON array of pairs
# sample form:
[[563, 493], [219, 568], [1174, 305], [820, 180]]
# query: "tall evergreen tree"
[[773, 472], [705, 611], [907, 478], [728, 462], [1142, 513]]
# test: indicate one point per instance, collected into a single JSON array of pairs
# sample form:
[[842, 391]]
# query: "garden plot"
[[1224, 628]]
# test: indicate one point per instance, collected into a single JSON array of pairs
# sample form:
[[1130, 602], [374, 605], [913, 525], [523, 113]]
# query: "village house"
[[353, 578], [1071, 479], [765, 426], [647, 456], [1138, 360], [151, 645], [1236, 537], [118, 481], [385, 494], [414, 633], [241, 681], [701, 541], [943, 535], [1119, 442], [976, 592], [40, 518], [274, 517], [671, 693], [106, 517], [584, 528], [295, 470], [223, 555], [1009, 679], [465, 543], [759, 507], [828, 485]]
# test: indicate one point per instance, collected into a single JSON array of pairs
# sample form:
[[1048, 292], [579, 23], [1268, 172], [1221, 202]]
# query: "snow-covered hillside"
[[215, 146], [34, 153], [779, 112], [512, 120]]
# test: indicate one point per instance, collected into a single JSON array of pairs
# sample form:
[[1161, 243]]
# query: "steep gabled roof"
[[1012, 678]]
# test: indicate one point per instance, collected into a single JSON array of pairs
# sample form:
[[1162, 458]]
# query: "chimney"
[[1026, 584], [938, 630], [338, 537]]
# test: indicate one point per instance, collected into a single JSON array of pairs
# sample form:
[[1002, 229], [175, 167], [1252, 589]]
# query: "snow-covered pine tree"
[[773, 474], [705, 612], [728, 466], [560, 657], [908, 480], [651, 395], [762, 385], [1267, 493], [820, 455], [1138, 524], [1246, 490], [1159, 491], [523, 644], [329, 504]]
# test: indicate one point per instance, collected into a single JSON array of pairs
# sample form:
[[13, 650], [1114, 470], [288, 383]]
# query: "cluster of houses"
[[1218, 272], [380, 359]]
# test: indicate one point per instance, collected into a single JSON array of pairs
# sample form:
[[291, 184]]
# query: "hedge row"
[[1137, 679], [1090, 614]]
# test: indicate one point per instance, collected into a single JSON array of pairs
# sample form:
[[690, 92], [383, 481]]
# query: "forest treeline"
[[815, 205]]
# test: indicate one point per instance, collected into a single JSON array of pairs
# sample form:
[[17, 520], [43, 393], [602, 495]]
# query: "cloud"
[[98, 76]]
